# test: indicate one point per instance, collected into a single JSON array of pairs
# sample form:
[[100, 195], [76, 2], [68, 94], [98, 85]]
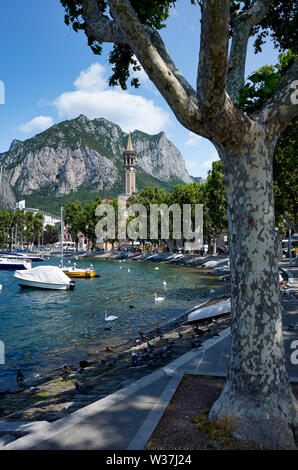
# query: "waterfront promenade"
[[127, 418]]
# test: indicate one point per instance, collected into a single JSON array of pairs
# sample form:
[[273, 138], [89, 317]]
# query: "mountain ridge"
[[82, 157]]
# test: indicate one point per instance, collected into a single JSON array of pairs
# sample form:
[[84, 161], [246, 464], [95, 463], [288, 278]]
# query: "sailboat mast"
[[61, 236]]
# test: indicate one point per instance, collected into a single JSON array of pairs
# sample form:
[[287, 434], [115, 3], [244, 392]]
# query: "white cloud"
[[190, 164], [193, 140], [93, 98], [37, 124], [207, 165], [91, 79]]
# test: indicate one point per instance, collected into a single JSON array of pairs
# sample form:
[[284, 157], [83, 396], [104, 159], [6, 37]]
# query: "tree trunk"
[[257, 394], [214, 246]]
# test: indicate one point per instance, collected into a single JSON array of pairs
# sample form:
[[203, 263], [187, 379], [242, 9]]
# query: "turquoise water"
[[43, 329]]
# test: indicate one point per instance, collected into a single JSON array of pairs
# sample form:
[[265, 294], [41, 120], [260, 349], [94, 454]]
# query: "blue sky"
[[50, 74]]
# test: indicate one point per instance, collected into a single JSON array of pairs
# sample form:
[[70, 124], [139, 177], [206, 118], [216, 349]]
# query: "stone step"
[[21, 428], [6, 439]]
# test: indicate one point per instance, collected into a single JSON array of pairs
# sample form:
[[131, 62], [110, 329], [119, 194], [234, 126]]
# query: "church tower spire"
[[129, 167]]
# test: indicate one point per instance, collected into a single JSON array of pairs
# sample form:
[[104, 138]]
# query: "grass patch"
[[220, 431], [154, 444]]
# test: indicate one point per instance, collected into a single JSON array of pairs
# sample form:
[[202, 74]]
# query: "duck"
[[20, 377], [158, 299], [110, 317]]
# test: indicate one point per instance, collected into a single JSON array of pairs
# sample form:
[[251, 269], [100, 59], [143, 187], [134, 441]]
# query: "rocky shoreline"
[[75, 386]]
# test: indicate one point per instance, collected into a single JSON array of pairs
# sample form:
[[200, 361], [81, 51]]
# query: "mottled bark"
[[257, 393], [241, 31]]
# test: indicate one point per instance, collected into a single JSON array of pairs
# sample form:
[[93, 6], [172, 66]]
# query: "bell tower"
[[129, 167]]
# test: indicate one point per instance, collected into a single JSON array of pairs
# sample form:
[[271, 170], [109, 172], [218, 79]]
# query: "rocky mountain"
[[79, 158]]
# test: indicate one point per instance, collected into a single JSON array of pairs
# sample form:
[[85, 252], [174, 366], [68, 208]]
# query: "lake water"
[[43, 330]]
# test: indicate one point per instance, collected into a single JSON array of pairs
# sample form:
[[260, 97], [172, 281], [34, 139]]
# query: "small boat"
[[15, 263], [44, 277], [21, 255], [212, 311], [75, 272]]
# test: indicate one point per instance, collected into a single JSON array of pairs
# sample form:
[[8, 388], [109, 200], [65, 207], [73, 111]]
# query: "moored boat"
[[15, 263], [212, 311], [44, 277], [75, 272]]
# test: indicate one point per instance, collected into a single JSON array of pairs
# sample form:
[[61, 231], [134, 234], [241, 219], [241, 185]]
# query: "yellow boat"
[[79, 272]]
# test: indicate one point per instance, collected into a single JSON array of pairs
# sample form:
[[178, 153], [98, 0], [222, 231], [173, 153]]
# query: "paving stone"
[[21, 428], [6, 439]]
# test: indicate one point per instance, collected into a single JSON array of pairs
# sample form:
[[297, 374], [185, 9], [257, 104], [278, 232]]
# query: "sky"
[[50, 74]]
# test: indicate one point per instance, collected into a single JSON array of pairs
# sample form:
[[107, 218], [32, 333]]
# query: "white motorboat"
[[212, 311], [15, 263], [44, 277]]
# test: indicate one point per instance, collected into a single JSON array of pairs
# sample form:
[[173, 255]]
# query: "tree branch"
[[99, 26], [213, 61], [154, 58], [241, 30], [282, 107]]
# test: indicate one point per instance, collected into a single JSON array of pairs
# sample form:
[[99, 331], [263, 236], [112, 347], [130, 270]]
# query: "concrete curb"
[[63, 424], [146, 430]]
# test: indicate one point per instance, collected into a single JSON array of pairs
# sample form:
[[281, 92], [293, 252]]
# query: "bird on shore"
[[66, 369], [84, 364], [109, 348], [143, 335], [135, 358], [157, 298], [20, 377], [83, 389], [158, 332], [196, 343], [180, 334], [197, 331], [110, 317]]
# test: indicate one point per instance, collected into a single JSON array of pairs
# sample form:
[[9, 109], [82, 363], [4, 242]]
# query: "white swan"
[[156, 268], [158, 299], [110, 317]]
